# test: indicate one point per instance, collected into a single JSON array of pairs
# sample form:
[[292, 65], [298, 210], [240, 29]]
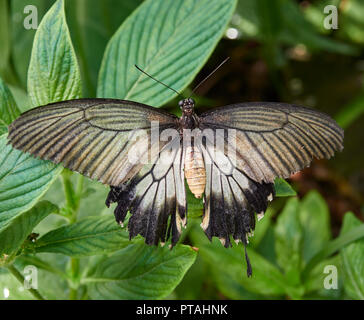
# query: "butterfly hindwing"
[[155, 197], [231, 197]]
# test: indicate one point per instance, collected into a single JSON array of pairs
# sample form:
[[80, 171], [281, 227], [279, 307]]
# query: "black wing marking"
[[231, 198], [155, 195], [90, 136], [275, 139]]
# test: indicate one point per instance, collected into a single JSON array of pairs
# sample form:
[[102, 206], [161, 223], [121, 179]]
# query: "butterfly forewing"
[[275, 139], [95, 137]]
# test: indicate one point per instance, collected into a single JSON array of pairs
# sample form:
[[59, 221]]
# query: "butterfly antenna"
[[158, 80], [211, 73]]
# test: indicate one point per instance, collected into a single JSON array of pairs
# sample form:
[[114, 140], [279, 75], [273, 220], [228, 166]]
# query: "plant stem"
[[75, 266], [35, 293]]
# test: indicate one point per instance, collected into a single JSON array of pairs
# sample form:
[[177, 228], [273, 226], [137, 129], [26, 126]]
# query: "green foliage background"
[[88, 48]]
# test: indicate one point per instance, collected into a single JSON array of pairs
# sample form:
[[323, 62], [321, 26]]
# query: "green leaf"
[[53, 71], [8, 108], [315, 282], [21, 38], [140, 272], [169, 39], [11, 288], [353, 259], [230, 264], [333, 246], [89, 236], [288, 241], [261, 228], [17, 230], [92, 23], [315, 220], [4, 36], [351, 112], [52, 280], [23, 181], [282, 188], [53, 75]]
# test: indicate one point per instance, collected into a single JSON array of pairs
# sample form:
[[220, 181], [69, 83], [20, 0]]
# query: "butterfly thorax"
[[189, 119], [194, 167]]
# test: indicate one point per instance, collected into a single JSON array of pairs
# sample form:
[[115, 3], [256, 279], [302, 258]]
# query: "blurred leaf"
[[4, 37], [351, 112], [89, 236], [140, 272], [21, 98], [261, 228], [283, 188], [52, 280], [8, 108], [353, 259], [170, 39], [316, 280], [290, 26], [333, 246], [298, 30], [18, 229], [351, 20], [288, 241], [195, 206], [266, 246], [22, 39], [11, 288], [191, 287], [53, 71], [230, 264], [92, 23], [23, 180], [315, 220]]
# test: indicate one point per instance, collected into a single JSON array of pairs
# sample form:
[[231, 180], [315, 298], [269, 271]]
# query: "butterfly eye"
[[180, 103], [191, 101]]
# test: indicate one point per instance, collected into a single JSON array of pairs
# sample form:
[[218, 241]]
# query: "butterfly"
[[229, 156]]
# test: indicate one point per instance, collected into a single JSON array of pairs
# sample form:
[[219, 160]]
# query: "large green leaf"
[[89, 236], [315, 220], [8, 108], [353, 259], [288, 240], [17, 230], [53, 73], [169, 39], [23, 180], [140, 272]]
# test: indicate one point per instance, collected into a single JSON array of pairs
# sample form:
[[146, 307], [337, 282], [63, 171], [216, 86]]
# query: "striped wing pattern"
[[231, 199], [271, 140], [91, 136], [276, 139], [154, 194]]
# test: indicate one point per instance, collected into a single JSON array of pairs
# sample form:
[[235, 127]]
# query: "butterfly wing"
[[156, 193], [275, 139], [265, 141], [95, 137]]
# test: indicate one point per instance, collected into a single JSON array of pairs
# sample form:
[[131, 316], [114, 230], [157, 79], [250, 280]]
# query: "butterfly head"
[[187, 106]]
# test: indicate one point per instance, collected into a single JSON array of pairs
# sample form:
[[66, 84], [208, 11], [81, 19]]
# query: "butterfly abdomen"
[[195, 171]]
